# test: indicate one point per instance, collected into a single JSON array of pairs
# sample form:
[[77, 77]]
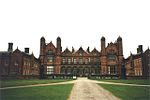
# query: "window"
[[80, 61], [97, 60], [94, 53], [80, 54], [69, 60], [86, 60], [140, 63], [69, 71], [111, 52], [6, 62], [111, 59], [50, 51], [111, 70], [92, 60], [135, 72], [16, 63], [66, 53], [135, 62], [49, 59], [64, 60], [75, 61], [108, 69], [141, 72], [50, 69]]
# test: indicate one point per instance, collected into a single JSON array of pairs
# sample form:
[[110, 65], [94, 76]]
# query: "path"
[[85, 89], [71, 82], [67, 82]]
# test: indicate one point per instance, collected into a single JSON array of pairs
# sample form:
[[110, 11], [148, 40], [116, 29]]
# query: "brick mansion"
[[52, 60]]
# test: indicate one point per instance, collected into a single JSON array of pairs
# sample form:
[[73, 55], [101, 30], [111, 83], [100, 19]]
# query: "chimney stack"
[[140, 49], [10, 47], [27, 50]]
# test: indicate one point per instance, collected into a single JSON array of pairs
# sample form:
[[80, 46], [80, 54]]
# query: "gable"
[[50, 48], [66, 52], [111, 49], [94, 52], [80, 52]]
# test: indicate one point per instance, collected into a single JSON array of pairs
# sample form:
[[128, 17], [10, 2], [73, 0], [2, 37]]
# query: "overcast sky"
[[77, 22]]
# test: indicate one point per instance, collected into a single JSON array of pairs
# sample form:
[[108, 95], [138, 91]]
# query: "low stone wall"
[[19, 76]]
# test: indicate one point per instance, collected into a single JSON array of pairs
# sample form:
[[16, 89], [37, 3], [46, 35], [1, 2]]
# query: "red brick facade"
[[138, 64], [17, 63], [82, 63], [108, 61]]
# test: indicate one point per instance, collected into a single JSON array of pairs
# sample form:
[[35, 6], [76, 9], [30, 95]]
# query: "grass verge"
[[128, 92], [53, 92], [21, 82], [128, 81]]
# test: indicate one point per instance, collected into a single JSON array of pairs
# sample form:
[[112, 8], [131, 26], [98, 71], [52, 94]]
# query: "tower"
[[58, 55], [103, 46], [59, 48], [42, 49], [120, 55], [103, 56], [120, 50]]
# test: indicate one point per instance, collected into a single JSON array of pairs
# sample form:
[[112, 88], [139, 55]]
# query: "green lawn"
[[53, 92], [128, 92], [19, 82], [129, 81]]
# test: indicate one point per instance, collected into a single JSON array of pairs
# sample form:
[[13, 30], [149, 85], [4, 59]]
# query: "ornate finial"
[[72, 49], [88, 49]]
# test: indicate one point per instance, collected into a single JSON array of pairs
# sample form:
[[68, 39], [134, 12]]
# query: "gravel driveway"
[[85, 89]]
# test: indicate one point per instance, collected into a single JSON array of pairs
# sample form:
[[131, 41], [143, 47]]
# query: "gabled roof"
[[80, 51], [17, 51], [94, 51], [66, 51], [111, 46], [50, 46]]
